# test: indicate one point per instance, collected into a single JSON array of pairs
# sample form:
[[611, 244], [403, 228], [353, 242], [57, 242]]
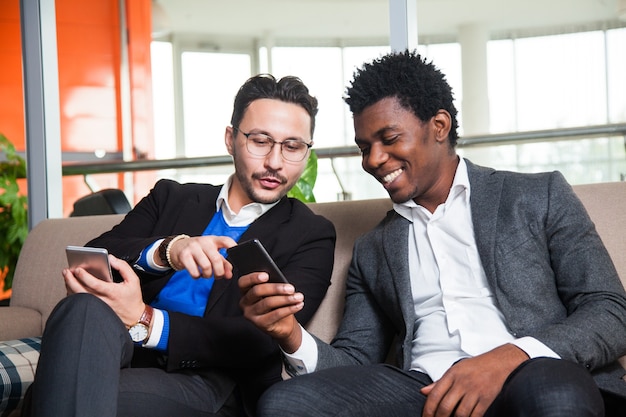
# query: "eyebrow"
[[266, 133], [378, 134]]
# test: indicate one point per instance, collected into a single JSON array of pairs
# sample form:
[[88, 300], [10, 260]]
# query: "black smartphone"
[[93, 260], [251, 256]]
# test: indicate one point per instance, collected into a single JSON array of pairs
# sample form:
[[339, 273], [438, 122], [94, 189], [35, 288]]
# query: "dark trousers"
[[85, 370], [540, 387]]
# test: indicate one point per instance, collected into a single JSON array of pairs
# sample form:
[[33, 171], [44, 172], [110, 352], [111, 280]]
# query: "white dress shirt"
[[455, 309]]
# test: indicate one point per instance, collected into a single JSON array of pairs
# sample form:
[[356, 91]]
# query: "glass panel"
[[501, 80], [580, 160], [210, 82], [616, 58], [324, 82], [163, 100], [561, 81]]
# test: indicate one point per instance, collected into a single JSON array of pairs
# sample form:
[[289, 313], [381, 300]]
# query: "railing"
[[86, 168]]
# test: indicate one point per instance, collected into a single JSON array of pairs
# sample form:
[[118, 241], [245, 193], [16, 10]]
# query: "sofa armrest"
[[19, 322]]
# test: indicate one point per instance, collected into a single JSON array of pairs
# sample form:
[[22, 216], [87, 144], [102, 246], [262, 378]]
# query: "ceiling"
[[369, 19]]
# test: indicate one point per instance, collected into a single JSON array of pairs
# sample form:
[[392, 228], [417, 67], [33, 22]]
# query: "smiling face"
[[266, 179], [411, 158]]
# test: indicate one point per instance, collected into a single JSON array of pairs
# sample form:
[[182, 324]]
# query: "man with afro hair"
[[491, 288]]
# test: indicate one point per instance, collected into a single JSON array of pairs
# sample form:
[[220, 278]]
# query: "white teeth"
[[391, 176]]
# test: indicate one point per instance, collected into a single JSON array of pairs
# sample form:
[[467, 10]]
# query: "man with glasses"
[[170, 339]]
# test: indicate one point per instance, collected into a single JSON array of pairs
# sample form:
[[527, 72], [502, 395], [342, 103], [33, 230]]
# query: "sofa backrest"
[[606, 204], [38, 283]]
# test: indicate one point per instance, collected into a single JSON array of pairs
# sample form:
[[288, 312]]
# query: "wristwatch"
[[162, 250], [140, 331]]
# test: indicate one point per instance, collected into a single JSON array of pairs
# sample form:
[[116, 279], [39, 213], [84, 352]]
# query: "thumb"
[[427, 389]]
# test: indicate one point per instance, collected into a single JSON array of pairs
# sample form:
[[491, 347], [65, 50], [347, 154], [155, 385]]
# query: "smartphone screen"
[[251, 256], [93, 260]]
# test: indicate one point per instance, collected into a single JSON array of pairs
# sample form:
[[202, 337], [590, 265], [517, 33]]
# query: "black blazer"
[[223, 341]]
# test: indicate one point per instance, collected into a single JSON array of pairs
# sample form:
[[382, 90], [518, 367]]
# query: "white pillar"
[[42, 114], [475, 106], [402, 24], [268, 43], [179, 111]]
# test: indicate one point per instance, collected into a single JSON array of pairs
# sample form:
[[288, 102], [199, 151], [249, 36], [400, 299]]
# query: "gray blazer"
[[551, 276]]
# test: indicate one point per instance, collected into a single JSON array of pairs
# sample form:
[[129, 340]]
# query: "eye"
[[390, 140], [261, 140], [365, 150], [293, 145]]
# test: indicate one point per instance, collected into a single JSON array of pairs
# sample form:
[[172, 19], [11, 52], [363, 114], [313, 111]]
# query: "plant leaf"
[[13, 210], [303, 190]]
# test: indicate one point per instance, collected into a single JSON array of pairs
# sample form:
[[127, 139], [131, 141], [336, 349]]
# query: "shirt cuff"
[[157, 329], [146, 259], [303, 360], [534, 348]]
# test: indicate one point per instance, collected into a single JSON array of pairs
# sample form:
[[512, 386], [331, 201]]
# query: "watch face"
[[138, 333]]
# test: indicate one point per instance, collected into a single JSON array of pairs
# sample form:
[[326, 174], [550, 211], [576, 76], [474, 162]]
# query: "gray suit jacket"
[[551, 276]]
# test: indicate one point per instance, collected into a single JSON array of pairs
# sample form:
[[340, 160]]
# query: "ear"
[[442, 123], [229, 139]]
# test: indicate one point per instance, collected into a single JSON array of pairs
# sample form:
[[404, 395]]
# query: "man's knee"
[[82, 302], [550, 387], [285, 398], [75, 311]]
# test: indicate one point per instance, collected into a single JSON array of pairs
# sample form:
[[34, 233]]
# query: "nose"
[[274, 159], [375, 157]]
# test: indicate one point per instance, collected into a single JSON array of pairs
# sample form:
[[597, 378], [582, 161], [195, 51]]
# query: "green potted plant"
[[303, 190], [13, 212]]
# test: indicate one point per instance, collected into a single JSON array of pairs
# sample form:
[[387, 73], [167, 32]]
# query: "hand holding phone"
[[251, 256], [93, 260]]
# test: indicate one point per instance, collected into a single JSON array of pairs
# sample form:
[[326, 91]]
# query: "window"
[[210, 82], [534, 83], [616, 60], [163, 100]]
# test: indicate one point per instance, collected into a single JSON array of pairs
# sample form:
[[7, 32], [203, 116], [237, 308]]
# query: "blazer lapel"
[[486, 192], [395, 246], [196, 213], [265, 226]]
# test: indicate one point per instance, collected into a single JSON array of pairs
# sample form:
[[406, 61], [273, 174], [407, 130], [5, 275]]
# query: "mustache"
[[269, 173]]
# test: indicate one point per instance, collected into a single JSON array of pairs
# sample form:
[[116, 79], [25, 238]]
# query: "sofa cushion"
[[18, 360]]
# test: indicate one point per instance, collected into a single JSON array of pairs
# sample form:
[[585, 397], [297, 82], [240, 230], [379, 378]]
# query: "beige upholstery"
[[351, 219], [38, 285]]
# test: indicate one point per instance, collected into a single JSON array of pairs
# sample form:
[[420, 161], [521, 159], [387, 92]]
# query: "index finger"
[[224, 242]]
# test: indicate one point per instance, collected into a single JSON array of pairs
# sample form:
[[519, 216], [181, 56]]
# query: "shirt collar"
[[248, 213]]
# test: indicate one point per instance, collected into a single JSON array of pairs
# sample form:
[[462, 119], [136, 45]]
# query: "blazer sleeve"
[[169, 208]]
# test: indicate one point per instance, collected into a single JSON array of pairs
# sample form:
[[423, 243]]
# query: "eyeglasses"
[[260, 144]]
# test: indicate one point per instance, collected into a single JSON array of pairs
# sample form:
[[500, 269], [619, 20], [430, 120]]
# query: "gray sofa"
[[38, 284]]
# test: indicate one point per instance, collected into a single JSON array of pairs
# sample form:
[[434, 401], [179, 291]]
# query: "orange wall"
[[89, 57], [11, 95]]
